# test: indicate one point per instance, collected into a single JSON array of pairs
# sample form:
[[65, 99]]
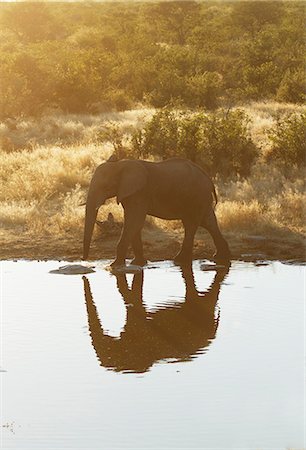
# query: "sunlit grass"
[[263, 116], [65, 129], [42, 190], [68, 129]]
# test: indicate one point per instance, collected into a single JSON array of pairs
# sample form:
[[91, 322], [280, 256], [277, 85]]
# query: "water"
[[87, 365]]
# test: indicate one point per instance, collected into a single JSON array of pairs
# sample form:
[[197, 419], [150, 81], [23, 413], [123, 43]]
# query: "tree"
[[31, 22], [292, 87], [175, 19], [252, 15]]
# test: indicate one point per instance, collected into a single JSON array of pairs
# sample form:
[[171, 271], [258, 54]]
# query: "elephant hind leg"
[[185, 254], [209, 222]]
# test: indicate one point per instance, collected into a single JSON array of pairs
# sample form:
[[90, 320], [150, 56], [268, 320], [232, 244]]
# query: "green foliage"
[[159, 137], [89, 57], [204, 90], [174, 20], [30, 22], [288, 139], [112, 133], [292, 87], [218, 141], [252, 15]]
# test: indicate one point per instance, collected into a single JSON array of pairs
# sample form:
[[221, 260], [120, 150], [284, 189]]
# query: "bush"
[[119, 100], [288, 140], [170, 86], [204, 90], [159, 136], [218, 141], [292, 87]]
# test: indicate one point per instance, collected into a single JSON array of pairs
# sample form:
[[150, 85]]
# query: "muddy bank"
[[159, 244]]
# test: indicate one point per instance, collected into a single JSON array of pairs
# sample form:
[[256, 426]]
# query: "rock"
[[125, 269], [294, 262], [261, 263], [73, 269]]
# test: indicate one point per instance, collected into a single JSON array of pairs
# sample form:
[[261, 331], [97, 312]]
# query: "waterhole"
[[162, 358]]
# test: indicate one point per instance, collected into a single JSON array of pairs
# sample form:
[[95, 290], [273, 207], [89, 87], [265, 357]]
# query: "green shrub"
[[119, 100], [170, 86], [227, 141], [217, 141], [159, 136], [288, 141], [292, 87], [204, 90]]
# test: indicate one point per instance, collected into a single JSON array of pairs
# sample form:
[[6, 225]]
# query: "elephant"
[[171, 189], [176, 333]]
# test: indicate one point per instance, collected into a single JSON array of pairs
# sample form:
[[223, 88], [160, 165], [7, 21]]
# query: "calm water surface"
[[162, 359]]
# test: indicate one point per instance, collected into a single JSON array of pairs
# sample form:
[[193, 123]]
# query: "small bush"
[[159, 137], [288, 141]]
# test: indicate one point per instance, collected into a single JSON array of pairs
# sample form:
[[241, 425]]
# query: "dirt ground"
[[159, 244]]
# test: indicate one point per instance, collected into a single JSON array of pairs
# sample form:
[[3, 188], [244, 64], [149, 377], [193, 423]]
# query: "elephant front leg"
[[122, 248], [139, 259], [185, 254], [133, 222]]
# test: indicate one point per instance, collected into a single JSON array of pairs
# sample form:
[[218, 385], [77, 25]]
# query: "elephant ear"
[[133, 179]]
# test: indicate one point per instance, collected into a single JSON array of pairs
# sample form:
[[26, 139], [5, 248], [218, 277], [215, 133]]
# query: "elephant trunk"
[[90, 219]]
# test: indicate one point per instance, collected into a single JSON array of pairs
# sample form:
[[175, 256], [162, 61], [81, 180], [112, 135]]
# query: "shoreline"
[[158, 245]]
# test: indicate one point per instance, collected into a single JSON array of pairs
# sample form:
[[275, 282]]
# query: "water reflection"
[[175, 333]]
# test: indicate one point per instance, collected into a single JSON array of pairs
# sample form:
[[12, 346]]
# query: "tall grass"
[[41, 190], [263, 117], [65, 129], [266, 202]]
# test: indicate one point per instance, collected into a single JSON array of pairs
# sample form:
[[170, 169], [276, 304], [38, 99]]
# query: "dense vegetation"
[[220, 142], [88, 58]]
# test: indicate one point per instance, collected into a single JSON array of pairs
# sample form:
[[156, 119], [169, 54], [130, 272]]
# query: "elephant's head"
[[119, 179]]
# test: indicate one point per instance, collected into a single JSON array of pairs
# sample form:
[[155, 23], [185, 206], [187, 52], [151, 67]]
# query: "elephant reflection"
[[176, 333]]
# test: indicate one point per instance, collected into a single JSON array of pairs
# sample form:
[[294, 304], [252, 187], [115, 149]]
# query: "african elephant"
[[176, 333], [171, 189]]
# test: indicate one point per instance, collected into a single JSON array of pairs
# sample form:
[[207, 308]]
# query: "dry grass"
[[265, 201], [71, 129], [41, 190], [42, 187], [263, 116], [68, 129]]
